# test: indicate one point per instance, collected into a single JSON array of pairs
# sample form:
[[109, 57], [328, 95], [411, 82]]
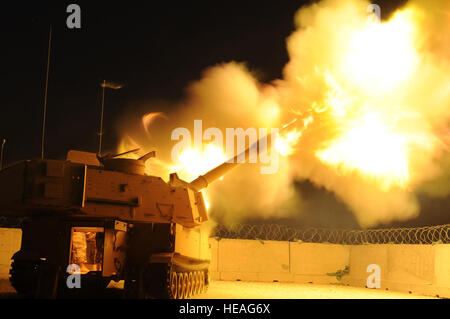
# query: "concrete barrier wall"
[[254, 260], [421, 269], [311, 263], [10, 240]]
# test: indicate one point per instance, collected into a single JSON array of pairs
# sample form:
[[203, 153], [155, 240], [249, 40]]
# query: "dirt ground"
[[278, 290], [262, 290]]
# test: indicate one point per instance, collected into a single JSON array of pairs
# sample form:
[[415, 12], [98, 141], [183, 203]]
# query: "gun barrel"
[[203, 181]]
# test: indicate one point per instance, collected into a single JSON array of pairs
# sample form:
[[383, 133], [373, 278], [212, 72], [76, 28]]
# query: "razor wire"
[[417, 235]]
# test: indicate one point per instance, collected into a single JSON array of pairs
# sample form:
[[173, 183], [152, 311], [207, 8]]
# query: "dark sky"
[[154, 48]]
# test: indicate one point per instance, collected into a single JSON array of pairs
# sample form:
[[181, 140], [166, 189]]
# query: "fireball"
[[372, 148]]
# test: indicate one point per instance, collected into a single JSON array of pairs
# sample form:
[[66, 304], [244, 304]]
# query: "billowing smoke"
[[372, 107]]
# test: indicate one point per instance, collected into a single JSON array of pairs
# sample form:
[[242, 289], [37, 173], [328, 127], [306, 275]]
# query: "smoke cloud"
[[340, 71]]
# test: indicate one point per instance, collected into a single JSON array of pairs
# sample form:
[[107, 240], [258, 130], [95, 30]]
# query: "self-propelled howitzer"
[[104, 219]]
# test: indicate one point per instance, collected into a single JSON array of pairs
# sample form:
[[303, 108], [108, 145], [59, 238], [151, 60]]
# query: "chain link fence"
[[420, 235]]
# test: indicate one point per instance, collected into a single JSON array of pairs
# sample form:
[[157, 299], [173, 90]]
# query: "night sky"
[[154, 48]]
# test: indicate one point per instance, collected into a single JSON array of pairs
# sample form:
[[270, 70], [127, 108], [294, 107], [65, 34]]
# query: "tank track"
[[163, 281], [24, 275], [24, 278]]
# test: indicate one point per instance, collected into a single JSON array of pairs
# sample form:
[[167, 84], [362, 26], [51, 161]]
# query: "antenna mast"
[[1, 155], [101, 120], [45, 94]]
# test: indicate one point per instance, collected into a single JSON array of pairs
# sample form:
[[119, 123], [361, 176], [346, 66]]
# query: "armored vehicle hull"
[[102, 225]]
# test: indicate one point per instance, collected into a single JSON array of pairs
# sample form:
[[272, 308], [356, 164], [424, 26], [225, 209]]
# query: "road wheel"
[[196, 283], [202, 280], [24, 277], [188, 279], [159, 280], [174, 285], [192, 284], [181, 286], [206, 274]]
